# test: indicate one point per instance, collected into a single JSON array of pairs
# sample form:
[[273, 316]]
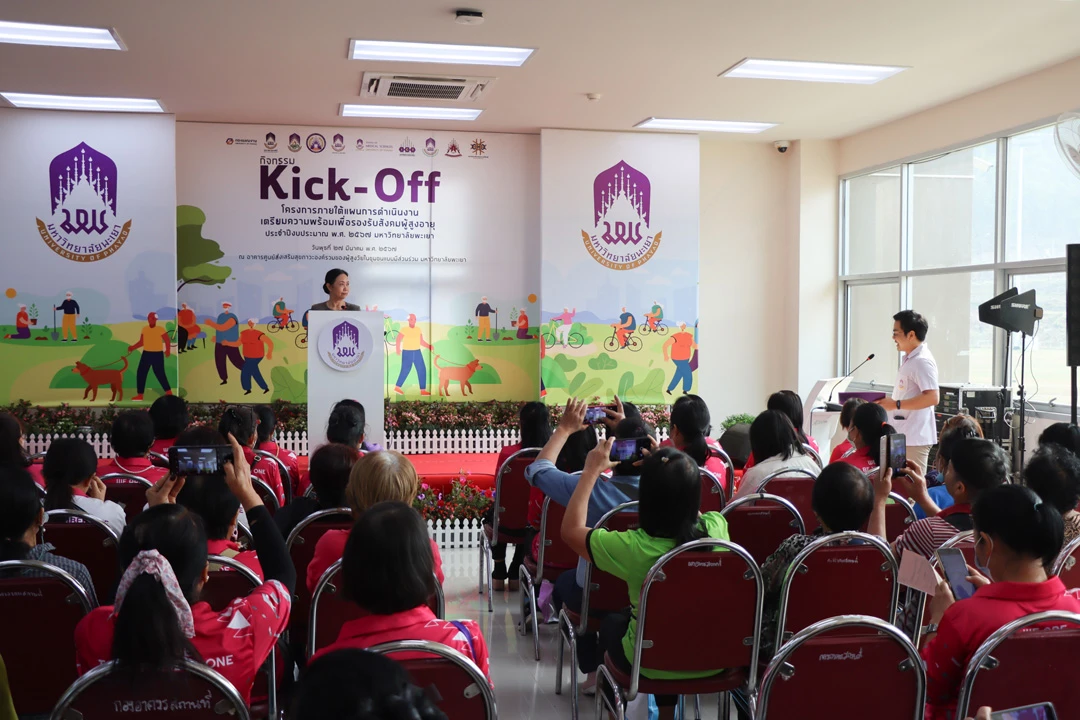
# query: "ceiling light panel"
[[393, 51], [405, 112], [686, 125], [801, 71], [59, 36], [79, 102]]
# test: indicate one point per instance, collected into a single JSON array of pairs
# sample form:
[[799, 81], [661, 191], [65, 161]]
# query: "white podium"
[[345, 362]]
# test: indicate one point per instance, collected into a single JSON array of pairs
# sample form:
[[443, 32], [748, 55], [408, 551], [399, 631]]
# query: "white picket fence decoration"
[[455, 534], [410, 442]]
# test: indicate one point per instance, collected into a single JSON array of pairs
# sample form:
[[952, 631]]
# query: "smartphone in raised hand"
[[629, 450], [954, 565], [210, 460], [1039, 711]]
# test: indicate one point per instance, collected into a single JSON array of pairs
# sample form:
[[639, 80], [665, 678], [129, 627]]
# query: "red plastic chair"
[[898, 515], [40, 617], [269, 497], [1065, 567], [692, 575], [88, 540], [798, 487], [1015, 666], [301, 544], [809, 450], [221, 588], [330, 610], [602, 595], [191, 691], [730, 473], [465, 691], [827, 580], [882, 674], [511, 512], [127, 490], [713, 497], [556, 557], [760, 522]]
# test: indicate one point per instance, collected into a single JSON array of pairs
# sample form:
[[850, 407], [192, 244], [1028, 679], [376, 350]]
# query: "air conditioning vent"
[[422, 87]]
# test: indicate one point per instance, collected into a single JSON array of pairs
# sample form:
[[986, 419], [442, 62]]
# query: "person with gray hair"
[[252, 342], [483, 320]]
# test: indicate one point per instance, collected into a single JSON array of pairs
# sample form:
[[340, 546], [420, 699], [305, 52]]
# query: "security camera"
[[781, 146]]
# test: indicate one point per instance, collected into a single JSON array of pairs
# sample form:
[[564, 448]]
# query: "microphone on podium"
[[830, 406]]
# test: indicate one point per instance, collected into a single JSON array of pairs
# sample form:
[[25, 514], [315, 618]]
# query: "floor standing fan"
[[1067, 140]]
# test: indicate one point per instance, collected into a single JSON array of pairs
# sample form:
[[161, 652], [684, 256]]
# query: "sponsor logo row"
[[316, 143]]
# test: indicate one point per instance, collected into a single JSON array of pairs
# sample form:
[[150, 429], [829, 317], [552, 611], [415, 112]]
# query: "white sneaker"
[[589, 686]]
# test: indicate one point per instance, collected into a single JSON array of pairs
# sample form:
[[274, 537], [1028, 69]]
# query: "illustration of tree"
[[196, 256]]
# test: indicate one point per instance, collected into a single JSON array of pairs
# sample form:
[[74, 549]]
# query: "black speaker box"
[[1072, 305]]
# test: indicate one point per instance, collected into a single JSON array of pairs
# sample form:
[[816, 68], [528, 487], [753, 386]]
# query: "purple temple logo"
[[359, 143], [430, 149], [344, 346], [407, 147], [83, 225], [271, 141], [622, 206], [339, 143], [294, 142], [316, 143]]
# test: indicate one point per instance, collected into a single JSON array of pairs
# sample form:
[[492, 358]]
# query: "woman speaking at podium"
[[915, 394], [336, 285]]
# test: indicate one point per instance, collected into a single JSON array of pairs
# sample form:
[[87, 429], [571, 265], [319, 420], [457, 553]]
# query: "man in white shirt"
[[911, 407]]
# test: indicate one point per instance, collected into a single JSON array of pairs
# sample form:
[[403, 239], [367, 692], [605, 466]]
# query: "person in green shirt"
[[669, 497]]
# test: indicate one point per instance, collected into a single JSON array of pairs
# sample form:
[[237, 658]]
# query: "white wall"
[[1030, 99], [744, 257]]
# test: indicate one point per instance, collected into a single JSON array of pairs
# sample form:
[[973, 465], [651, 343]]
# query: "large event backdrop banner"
[[426, 224], [89, 204], [620, 264]]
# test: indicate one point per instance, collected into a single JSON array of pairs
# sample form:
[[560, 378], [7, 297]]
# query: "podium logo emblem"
[[345, 346]]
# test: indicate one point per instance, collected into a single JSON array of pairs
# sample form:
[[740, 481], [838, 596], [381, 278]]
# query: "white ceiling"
[[271, 61]]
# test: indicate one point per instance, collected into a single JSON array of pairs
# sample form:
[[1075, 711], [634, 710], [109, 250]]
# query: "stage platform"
[[440, 469]]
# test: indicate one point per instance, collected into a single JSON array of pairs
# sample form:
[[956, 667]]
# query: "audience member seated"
[[170, 416], [383, 476], [71, 482], [1018, 536], [1053, 474], [534, 423], [242, 422], [387, 571], [1066, 435], [847, 416], [869, 424], [360, 685], [938, 494], [789, 403], [329, 469], [975, 467], [132, 437], [157, 619], [209, 497], [266, 442], [13, 448], [691, 424], [347, 424], [670, 498], [935, 476], [775, 441], [843, 499], [560, 486], [21, 517]]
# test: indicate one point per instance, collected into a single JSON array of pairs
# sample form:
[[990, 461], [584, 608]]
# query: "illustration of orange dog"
[[461, 374], [96, 377]]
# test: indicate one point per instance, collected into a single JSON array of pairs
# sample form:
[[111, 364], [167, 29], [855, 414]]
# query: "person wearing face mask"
[[868, 426], [976, 467], [1018, 537]]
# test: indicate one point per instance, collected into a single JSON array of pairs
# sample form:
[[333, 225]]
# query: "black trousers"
[[591, 648]]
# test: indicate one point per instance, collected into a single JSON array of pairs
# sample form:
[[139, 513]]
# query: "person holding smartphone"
[[1017, 538], [911, 406]]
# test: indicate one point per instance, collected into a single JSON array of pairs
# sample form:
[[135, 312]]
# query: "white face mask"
[[984, 567]]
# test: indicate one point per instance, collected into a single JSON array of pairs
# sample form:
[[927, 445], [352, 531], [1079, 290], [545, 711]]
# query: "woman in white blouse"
[[773, 439], [71, 482]]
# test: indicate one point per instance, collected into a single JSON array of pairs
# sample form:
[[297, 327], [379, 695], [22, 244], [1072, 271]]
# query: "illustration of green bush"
[[553, 375], [286, 385], [625, 383], [651, 389], [603, 361], [568, 364]]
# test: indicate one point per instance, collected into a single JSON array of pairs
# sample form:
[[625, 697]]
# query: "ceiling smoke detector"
[[469, 17]]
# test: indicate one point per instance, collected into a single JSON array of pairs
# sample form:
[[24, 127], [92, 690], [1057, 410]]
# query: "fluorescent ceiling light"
[[406, 112], [811, 71], [59, 36], [438, 53], [78, 102], [730, 126]]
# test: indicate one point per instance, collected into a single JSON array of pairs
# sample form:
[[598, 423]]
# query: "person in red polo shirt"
[[691, 424], [847, 416], [131, 438], [163, 553], [170, 416], [868, 426], [976, 466], [243, 423], [265, 442], [377, 477], [1018, 536], [388, 570]]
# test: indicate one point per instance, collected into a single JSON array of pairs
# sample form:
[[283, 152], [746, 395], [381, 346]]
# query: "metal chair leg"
[[697, 707], [724, 706], [490, 570], [480, 589], [560, 654]]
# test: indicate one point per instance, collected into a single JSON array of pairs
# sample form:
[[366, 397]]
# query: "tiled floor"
[[524, 688]]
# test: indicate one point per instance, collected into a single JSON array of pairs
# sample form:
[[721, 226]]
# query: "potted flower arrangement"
[[33, 313]]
